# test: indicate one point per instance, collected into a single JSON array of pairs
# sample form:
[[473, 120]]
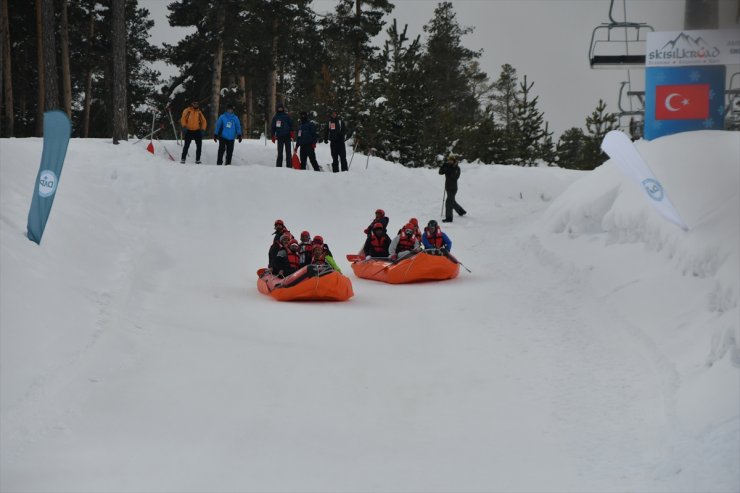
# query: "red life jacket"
[[405, 243], [435, 239], [294, 259], [379, 244]]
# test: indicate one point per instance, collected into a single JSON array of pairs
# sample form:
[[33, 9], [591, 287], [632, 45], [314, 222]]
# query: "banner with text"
[[683, 48]]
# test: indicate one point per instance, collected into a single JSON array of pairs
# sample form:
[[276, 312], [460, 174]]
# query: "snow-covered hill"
[[594, 346]]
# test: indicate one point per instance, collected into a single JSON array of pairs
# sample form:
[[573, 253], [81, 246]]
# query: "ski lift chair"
[[618, 44], [636, 117], [732, 107]]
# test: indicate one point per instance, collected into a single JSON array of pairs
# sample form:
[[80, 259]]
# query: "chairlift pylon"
[[618, 44]]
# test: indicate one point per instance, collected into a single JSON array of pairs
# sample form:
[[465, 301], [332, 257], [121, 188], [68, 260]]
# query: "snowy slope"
[[594, 347]]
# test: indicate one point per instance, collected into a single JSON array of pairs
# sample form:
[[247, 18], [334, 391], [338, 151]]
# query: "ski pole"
[[172, 121], [454, 259], [354, 148], [444, 195]]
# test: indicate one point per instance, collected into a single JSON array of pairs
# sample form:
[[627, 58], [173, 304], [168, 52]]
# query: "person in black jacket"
[[281, 130], [306, 139], [335, 134], [451, 170]]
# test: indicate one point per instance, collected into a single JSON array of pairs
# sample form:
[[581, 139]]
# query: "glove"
[[239, 137], [273, 139], [368, 257], [394, 257], [326, 141], [313, 146], [215, 139], [292, 135]]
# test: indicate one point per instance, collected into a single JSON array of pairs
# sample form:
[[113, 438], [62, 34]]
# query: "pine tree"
[[118, 42], [570, 151], [447, 67], [390, 127], [598, 124], [527, 126]]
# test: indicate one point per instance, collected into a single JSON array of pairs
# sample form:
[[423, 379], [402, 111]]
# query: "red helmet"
[[279, 222], [305, 236], [414, 221], [318, 240], [380, 212], [378, 226], [409, 229]]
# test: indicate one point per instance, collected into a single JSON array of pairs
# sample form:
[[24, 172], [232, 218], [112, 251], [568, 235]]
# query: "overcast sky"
[[547, 40]]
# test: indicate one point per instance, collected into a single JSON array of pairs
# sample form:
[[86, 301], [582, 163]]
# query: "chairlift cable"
[[627, 51]]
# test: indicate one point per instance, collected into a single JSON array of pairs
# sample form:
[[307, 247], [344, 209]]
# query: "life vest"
[[379, 244], [317, 258], [405, 243], [294, 259], [434, 238]]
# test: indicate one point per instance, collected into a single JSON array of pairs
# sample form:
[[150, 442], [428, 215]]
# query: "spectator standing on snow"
[[281, 130], [306, 139], [451, 171], [228, 128], [193, 123], [335, 135]]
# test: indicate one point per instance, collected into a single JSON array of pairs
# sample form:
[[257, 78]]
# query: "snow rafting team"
[[287, 255]]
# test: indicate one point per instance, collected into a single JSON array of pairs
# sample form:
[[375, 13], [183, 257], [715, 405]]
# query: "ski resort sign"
[[685, 73], [684, 48]]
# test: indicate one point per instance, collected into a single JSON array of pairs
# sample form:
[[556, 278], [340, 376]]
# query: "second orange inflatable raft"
[[423, 266]]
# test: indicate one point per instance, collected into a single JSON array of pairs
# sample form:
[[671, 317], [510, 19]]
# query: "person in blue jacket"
[[433, 237], [228, 128], [281, 130], [307, 138]]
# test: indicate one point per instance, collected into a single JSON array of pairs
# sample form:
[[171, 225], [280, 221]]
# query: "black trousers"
[[307, 151], [283, 143], [451, 204], [227, 146], [338, 151], [191, 135]]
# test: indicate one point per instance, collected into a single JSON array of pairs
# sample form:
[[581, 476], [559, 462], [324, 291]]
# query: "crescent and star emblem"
[[668, 102]]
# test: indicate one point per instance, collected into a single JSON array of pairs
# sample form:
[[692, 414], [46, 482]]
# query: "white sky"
[[547, 40]]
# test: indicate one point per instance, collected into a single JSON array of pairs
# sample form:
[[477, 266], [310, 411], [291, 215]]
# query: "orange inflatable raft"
[[310, 283], [423, 266]]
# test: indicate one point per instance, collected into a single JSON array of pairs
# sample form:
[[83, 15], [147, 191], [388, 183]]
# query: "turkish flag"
[[682, 102]]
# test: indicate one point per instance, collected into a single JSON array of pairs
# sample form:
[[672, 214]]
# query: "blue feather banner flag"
[[57, 130]]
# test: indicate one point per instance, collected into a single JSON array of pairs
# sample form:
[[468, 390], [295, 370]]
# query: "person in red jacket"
[[377, 243]]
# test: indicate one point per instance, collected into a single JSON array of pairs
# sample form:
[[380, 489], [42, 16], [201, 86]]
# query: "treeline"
[[408, 101]]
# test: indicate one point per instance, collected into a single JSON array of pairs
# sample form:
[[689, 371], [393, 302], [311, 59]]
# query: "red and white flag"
[[682, 102]]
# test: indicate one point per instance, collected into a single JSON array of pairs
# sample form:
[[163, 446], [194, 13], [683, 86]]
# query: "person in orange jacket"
[[193, 123]]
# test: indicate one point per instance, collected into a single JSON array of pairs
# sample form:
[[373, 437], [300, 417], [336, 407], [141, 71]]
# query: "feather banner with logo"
[[623, 152], [57, 130]]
